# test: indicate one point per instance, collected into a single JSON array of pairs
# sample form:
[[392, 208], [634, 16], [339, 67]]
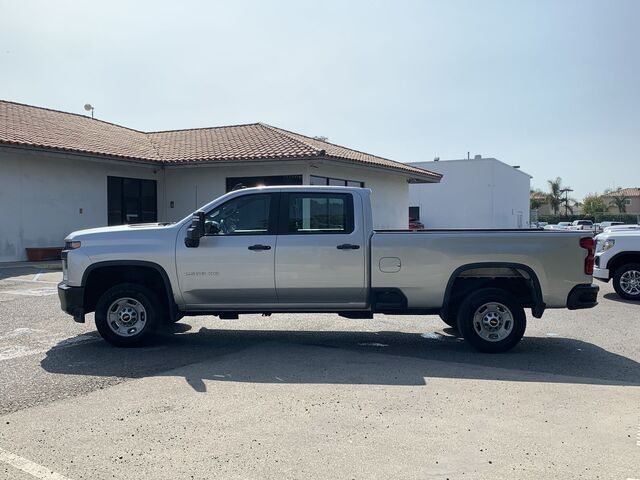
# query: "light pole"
[[566, 199]]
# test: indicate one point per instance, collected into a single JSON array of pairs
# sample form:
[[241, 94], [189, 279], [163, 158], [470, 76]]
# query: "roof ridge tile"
[[292, 136]]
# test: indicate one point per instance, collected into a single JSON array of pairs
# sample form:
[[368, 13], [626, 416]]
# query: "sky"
[[552, 86]]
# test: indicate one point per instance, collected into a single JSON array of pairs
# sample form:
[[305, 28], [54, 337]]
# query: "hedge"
[[597, 218]]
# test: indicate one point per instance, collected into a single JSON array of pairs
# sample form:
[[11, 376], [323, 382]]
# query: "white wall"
[[389, 197], [390, 192], [41, 195], [482, 193]]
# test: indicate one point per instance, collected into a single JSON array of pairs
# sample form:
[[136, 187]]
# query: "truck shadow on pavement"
[[615, 298], [340, 357]]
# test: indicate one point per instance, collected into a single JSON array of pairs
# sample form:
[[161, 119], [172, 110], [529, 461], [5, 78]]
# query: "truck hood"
[[90, 232]]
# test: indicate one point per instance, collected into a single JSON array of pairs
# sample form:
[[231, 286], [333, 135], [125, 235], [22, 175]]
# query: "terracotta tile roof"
[[343, 153], [624, 192], [253, 141], [40, 127], [44, 128]]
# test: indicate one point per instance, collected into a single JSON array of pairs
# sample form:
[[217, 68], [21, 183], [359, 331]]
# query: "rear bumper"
[[72, 301], [583, 296]]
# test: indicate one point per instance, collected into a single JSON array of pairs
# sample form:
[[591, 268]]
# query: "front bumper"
[[583, 296], [72, 301], [601, 274]]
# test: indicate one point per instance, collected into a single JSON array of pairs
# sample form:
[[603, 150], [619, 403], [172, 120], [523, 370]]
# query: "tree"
[[619, 200], [593, 204], [537, 198], [555, 194]]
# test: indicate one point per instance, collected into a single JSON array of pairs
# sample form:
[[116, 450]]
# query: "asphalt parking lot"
[[315, 396]]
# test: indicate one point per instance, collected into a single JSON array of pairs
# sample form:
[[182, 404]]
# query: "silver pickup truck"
[[314, 249]]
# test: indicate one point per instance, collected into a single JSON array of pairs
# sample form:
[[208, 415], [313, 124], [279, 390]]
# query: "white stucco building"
[[473, 193], [61, 172]]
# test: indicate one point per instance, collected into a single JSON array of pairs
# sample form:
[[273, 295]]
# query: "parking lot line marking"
[[29, 467], [18, 351], [20, 280], [33, 292]]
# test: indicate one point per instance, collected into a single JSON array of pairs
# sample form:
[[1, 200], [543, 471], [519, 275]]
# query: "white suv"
[[618, 259]]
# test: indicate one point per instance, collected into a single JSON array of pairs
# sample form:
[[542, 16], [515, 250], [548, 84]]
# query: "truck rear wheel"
[[127, 315], [626, 281], [492, 320]]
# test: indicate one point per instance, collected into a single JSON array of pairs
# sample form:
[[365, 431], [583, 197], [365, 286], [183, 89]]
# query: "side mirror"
[[195, 231]]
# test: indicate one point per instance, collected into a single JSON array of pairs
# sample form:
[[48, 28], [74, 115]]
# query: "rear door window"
[[317, 213]]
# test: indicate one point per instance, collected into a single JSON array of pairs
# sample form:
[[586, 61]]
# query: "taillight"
[[589, 244]]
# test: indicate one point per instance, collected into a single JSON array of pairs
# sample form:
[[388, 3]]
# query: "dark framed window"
[[131, 200], [316, 180], [253, 214], [414, 213], [267, 181], [316, 213]]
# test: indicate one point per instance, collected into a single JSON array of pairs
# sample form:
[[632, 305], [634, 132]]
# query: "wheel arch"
[[125, 270], [537, 304], [620, 259]]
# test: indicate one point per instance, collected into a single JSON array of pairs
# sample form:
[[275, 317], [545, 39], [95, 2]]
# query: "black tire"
[[617, 278], [468, 328], [150, 316]]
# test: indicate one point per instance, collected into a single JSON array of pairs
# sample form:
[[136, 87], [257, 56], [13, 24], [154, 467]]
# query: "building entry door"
[[131, 200]]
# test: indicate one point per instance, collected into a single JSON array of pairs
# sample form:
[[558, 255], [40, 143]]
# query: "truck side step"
[[357, 315]]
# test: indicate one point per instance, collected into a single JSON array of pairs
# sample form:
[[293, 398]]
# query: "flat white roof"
[[433, 165]]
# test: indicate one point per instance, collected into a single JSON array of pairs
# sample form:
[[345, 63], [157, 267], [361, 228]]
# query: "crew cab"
[[618, 259], [314, 249]]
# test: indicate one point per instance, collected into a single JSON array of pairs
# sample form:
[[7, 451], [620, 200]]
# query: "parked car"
[[582, 225], [607, 224], [313, 249], [618, 259], [619, 228], [558, 226]]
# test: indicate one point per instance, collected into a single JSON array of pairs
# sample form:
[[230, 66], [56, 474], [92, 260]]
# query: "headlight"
[[609, 243], [71, 245]]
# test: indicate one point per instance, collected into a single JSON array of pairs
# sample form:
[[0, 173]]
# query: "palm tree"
[[555, 194], [619, 201], [537, 198]]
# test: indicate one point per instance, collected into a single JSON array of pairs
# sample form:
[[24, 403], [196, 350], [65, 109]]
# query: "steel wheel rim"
[[630, 282], [126, 317], [493, 321]]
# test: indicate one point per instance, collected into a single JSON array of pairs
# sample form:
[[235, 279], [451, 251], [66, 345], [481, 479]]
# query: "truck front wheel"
[[492, 320], [127, 315], [626, 281]]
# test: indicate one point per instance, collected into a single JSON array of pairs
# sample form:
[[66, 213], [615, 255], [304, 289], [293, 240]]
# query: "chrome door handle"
[[348, 246], [260, 247]]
